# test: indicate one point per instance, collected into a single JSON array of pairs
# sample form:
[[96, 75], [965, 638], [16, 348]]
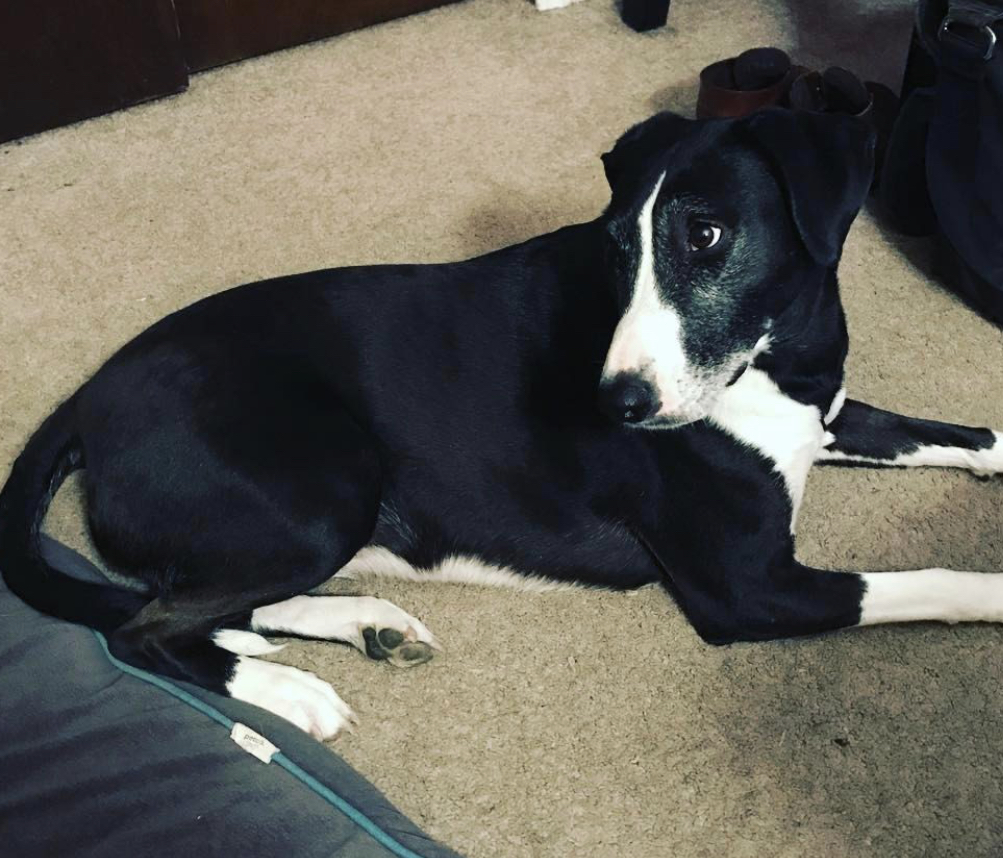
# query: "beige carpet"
[[572, 724]]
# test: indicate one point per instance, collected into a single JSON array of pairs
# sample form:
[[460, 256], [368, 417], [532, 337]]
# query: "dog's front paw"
[[296, 695], [989, 462]]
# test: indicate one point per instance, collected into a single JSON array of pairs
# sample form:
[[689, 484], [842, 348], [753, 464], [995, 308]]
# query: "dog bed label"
[[254, 743]]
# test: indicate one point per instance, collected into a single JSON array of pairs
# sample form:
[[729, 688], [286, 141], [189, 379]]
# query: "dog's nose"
[[627, 399]]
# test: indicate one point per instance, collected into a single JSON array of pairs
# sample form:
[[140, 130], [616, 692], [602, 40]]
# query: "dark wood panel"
[[64, 60], [215, 32]]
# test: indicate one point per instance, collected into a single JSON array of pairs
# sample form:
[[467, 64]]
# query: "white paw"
[[386, 633], [381, 615], [377, 627], [989, 462], [296, 695]]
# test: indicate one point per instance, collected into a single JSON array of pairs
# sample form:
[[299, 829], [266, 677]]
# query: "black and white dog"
[[630, 400]]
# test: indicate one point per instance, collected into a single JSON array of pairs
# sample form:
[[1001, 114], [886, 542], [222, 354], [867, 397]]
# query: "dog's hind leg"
[[178, 640], [375, 626], [863, 435], [181, 633], [273, 515]]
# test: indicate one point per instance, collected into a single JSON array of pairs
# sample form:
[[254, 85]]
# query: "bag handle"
[[975, 16]]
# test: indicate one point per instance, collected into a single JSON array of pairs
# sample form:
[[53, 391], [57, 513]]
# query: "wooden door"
[[214, 32], [64, 60]]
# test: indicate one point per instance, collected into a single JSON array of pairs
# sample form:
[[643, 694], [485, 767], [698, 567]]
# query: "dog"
[[632, 400]]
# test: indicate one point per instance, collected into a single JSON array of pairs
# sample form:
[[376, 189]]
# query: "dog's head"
[[714, 229]]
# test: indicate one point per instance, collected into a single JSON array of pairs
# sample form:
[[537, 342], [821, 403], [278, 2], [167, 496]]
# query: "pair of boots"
[[765, 77]]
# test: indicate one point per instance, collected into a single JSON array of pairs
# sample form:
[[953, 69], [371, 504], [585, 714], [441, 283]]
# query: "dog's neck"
[[808, 346], [779, 405]]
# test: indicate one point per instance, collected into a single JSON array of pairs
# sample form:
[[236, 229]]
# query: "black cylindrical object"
[[642, 15]]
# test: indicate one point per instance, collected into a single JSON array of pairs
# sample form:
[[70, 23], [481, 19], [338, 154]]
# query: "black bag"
[[943, 169]]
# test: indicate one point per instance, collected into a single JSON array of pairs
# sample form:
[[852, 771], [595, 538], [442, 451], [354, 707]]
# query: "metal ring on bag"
[[945, 28]]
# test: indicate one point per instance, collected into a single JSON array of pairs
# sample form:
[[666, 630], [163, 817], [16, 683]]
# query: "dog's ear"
[[638, 146], [825, 162]]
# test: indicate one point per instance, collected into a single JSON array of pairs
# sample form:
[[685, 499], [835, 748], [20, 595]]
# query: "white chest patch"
[[755, 411]]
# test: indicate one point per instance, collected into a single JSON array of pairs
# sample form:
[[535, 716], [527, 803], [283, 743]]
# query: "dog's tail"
[[51, 455]]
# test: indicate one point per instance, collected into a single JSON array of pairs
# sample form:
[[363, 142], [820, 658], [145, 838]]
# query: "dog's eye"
[[703, 235]]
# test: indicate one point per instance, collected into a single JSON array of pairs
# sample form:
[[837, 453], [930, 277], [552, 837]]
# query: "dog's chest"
[[787, 432]]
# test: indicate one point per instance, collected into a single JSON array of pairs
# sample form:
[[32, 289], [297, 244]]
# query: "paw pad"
[[393, 646]]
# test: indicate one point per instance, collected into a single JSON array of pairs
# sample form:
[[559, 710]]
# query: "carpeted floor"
[[576, 723]]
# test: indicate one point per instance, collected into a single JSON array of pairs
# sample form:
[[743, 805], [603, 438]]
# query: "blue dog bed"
[[101, 759]]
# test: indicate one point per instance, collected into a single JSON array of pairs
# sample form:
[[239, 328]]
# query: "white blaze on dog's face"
[[647, 349]]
